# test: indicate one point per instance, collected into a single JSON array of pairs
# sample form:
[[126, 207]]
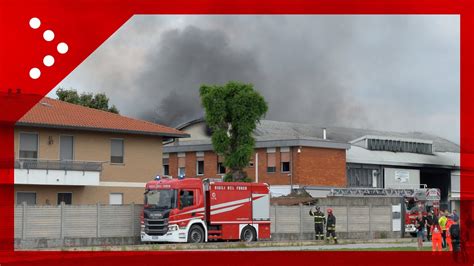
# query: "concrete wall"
[[69, 225], [356, 218]]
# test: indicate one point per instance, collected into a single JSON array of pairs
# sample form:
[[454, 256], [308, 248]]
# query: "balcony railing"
[[30, 164]]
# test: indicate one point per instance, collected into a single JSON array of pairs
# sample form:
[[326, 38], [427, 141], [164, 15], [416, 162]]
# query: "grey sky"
[[396, 73]]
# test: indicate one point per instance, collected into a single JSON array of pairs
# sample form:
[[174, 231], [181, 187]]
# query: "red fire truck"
[[422, 200], [194, 210]]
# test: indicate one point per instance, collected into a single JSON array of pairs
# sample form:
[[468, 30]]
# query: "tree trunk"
[[238, 175]]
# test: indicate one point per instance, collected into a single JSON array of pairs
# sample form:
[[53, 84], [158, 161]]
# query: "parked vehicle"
[[194, 210]]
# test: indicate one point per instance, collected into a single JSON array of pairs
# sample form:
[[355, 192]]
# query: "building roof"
[[206, 145], [451, 160], [342, 134], [279, 134], [277, 130], [51, 113]]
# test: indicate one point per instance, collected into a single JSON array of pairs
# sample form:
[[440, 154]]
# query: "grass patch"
[[384, 249]]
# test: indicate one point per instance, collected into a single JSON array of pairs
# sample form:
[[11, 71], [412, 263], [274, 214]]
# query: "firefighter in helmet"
[[319, 221], [331, 226]]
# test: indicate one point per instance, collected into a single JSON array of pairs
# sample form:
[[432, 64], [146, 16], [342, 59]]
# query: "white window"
[[220, 168], [28, 146], [182, 164], [182, 171], [65, 197], [116, 153], [66, 148], [200, 166], [115, 198], [285, 159], [28, 197]]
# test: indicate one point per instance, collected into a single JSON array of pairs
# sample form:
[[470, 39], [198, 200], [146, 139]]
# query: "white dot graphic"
[[48, 60], [48, 35], [35, 73], [62, 48], [35, 23]]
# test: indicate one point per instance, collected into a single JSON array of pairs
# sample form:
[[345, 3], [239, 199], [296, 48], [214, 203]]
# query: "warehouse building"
[[281, 161], [292, 155]]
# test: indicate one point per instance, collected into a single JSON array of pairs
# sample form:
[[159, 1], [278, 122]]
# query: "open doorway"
[[438, 178]]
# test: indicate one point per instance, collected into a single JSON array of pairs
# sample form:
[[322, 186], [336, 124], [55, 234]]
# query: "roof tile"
[[55, 113]]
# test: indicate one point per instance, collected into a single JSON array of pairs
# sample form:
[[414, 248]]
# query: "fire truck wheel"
[[196, 234], [248, 234]]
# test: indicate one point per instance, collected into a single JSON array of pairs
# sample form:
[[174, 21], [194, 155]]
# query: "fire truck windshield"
[[161, 199]]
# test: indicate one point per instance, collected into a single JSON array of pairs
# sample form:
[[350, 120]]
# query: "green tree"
[[232, 111], [98, 101]]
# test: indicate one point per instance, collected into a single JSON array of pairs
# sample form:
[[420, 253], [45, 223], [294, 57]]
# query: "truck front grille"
[[156, 227]]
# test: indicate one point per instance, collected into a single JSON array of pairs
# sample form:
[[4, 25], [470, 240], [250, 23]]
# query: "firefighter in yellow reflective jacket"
[[319, 221], [331, 226]]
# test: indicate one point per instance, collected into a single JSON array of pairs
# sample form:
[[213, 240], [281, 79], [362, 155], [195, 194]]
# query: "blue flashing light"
[[181, 177], [158, 178]]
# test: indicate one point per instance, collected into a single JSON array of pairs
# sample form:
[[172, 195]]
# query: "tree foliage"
[[98, 101], [232, 111]]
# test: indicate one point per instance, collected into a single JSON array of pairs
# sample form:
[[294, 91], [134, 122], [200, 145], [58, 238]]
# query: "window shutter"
[[285, 157], [271, 162], [181, 162]]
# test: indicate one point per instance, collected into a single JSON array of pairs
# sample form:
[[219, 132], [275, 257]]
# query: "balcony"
[[55, 172]]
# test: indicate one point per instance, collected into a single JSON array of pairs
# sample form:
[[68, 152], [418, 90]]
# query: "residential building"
[[77, 155]]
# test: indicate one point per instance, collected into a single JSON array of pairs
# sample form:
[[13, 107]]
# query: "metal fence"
[[65, 165], [103, 221]]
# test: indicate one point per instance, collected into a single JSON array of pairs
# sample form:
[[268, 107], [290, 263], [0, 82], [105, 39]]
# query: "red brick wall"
[[210, 164], [173, 164], [313, 166], [277, 178], [320, 167], [191, 164]]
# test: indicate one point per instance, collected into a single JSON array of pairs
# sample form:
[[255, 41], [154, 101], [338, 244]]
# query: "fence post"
[[132, 207], [371, 234], [301, 221], [276, 223], [61, 231], [347, 220], [23, 224], [98, 220]]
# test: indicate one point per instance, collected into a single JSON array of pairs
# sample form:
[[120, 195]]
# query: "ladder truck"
[[416, 200]]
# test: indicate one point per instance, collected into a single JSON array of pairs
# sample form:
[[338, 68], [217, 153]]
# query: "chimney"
[[324, 133]]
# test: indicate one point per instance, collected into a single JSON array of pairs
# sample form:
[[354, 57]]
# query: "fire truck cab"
[[194, 210]]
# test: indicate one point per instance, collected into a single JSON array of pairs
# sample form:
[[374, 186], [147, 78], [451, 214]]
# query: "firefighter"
[[442, 223], [449, 243], [319, 221], [436, 236], [429, 223], [331, 226]]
